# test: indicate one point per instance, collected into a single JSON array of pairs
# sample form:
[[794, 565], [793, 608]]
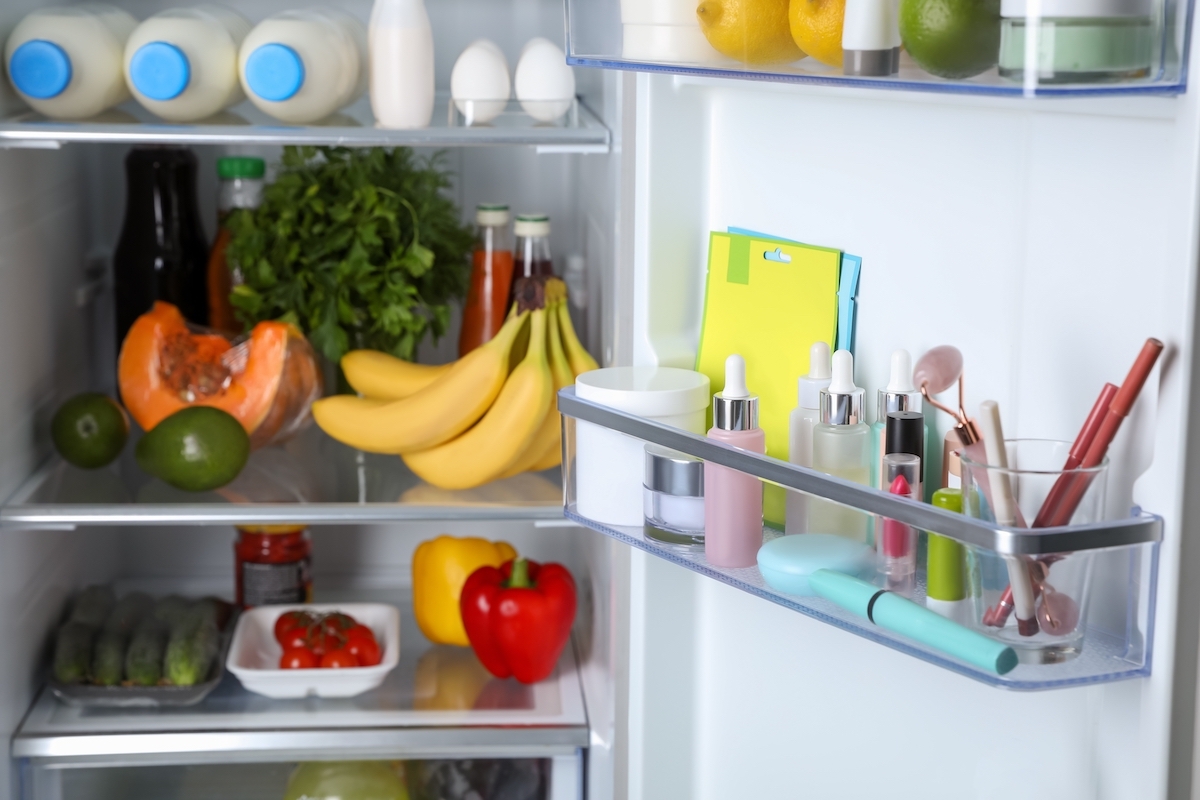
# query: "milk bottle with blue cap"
[[66, 62], [182, 64], [301, 66]]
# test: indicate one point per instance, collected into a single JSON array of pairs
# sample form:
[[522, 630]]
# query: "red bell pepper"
[[518, 617]]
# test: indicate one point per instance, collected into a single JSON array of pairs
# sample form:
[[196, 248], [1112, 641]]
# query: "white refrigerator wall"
[[1046, 240]]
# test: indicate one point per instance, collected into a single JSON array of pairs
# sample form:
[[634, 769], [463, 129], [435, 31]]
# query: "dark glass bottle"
[[163, 252]]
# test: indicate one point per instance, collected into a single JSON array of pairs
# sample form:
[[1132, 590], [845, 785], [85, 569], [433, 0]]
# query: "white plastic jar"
[[301, 66], [182, 64], [67, 63], [609, 465]]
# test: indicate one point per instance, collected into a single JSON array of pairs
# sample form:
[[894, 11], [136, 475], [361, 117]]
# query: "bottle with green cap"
[[241, 186], [946, 567]]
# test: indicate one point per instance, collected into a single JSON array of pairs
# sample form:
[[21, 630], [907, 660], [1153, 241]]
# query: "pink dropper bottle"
[[733, 506]]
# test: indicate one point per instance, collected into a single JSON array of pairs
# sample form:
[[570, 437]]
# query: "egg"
[[479, 82], [545, 84]]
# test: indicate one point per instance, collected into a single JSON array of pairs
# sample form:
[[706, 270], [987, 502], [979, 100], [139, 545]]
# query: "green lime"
[[195, 449], [89, 430], [951, 38]]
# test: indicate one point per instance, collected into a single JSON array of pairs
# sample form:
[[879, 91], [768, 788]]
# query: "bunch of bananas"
[[478, 419]]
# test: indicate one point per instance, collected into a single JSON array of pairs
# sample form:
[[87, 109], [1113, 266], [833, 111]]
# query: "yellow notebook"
[[768, 301]]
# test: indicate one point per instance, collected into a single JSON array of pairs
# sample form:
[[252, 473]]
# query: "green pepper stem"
[[519, 579]]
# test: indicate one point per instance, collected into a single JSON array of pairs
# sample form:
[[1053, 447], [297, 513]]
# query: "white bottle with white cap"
[[67, 63], [301, 66], [803, 419], [182, 64], [842, 448], [400, 41]]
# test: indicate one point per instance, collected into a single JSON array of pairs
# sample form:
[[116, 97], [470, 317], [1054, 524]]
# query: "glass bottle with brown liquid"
[[162, 253], [531, 256], [241, 187], [491, 279]]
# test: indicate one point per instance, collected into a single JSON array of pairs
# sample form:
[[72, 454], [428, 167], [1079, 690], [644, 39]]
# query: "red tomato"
[[337, 623], [296, 637], [289, 621], [297, 658], [360, 632], [365, 650], [336, 659], [320, 642]]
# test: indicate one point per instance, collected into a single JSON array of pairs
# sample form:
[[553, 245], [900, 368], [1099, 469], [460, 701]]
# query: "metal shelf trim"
[[1142, 528]]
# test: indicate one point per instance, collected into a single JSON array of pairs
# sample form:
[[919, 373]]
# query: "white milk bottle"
[[301, 66], [401, 52], [67, 62], [182, 63]]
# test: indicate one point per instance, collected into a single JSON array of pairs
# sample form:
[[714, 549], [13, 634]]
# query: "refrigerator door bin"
[[1053, 48], [1119, 557]]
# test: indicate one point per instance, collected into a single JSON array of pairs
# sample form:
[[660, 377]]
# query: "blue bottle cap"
[[274, 72], [40, 69], [160, 71]]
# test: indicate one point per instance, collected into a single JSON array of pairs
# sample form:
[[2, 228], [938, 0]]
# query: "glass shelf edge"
[[1166, 88], [876, 635]]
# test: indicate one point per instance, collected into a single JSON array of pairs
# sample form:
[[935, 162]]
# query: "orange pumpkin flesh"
[[164, 366]]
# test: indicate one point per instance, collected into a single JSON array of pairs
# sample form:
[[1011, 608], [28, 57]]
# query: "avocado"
[[90, 430], [196, 449]]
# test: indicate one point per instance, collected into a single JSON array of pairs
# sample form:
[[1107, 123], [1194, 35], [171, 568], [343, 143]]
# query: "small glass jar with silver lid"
[[673, 494]]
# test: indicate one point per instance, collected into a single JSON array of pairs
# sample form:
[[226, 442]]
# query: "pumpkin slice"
[[166, 365]]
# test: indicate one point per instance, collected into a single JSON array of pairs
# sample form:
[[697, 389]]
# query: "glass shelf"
[[311, 479], [1118, 629], [579, 130], [438, 703], [665, 36]]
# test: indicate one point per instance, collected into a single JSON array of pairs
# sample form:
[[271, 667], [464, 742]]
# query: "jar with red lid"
[[274, 565]]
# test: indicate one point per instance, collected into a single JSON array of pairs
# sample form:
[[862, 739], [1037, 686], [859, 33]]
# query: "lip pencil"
[[1003, 509]]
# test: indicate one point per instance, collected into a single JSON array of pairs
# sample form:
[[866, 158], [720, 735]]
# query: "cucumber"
[[170, 610], [73, 652], [144, 658], [108, 658], [93, 605], [193, 645], [127, 613]]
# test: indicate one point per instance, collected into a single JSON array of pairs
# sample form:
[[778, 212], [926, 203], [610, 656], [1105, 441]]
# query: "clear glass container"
[[491, 278], [1058, 583], [673, 494]]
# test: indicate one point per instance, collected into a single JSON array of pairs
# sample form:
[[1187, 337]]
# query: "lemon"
[[753, 31], [816, 27], [951, 38]]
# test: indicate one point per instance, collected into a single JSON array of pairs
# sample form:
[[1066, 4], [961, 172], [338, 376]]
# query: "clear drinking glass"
[[1044, 614]]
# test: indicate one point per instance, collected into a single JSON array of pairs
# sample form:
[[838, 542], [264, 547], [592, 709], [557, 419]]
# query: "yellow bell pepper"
[[440, 567]]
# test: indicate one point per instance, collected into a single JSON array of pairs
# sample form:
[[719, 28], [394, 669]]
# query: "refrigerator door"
[[1046, 240]]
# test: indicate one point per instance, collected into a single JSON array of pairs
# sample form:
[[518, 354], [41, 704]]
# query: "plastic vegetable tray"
[[85, 695], [254, 654]]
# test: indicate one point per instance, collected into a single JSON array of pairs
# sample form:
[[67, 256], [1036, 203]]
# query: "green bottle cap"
[[232, 167], [946, 569]]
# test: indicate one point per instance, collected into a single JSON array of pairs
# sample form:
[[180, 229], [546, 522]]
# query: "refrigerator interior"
[[60, 215], [1046, 240]]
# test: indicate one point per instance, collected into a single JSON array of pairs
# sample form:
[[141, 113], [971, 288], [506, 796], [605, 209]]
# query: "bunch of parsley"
[[360, 248]]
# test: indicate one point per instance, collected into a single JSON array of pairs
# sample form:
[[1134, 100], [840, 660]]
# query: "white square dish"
[[254, 653]]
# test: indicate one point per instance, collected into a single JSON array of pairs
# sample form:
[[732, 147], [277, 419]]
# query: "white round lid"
[[491, 214], [646, 391], [532, 225]]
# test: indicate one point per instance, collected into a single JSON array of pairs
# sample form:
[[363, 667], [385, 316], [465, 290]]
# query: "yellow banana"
[[377, 374], [549, 435], [488, 449], [581, 360], [436, 414]]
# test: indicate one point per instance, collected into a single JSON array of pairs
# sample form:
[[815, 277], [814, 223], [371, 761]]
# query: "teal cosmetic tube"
[[893, 612]]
